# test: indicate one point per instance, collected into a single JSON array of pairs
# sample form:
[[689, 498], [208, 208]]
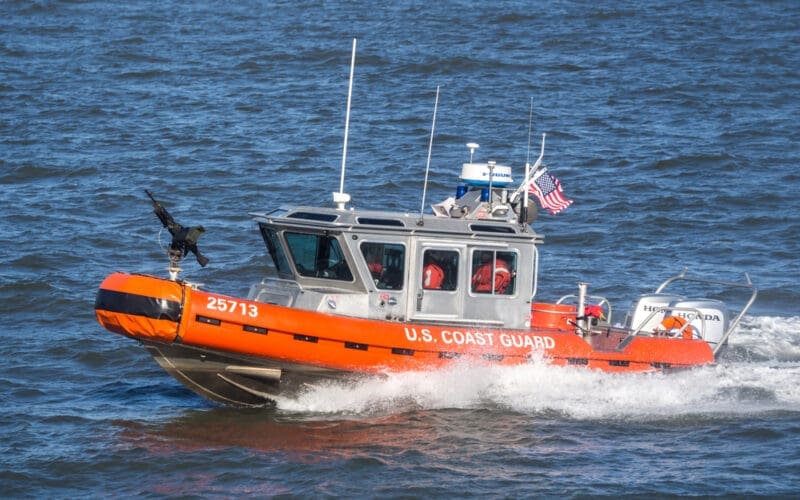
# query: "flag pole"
[[532, 174]]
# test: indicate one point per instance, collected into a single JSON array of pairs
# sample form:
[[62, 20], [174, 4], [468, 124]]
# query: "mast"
[[340, 198], [428, 163], [523, 212]]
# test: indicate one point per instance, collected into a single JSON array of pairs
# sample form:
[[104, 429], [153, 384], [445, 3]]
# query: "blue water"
[[672, 125]]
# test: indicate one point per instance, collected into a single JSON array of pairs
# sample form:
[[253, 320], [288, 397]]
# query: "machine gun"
[[184, 239]]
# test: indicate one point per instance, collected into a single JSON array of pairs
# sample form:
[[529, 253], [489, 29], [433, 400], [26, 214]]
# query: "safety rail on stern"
[[747, 285], [696, 314]]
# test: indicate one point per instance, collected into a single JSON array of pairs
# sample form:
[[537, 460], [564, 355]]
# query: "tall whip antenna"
[[530, 131], [341, 197], [523, 212], [430, 147]]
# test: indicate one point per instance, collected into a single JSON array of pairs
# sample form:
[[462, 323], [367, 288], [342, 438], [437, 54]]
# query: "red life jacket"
[[482, 279], [375, 268], [432, 276]]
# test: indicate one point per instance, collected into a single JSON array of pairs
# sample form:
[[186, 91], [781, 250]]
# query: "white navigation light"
[[472, 146]]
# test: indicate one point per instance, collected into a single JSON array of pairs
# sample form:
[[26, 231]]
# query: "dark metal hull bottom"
[[236, 380]]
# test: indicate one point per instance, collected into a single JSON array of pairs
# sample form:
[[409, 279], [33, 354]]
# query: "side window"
[[275, 249], [493, 272], [318, 256], [440, 270], [386, 263]]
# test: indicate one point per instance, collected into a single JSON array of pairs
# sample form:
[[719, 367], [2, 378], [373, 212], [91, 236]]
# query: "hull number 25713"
[[232, 306]]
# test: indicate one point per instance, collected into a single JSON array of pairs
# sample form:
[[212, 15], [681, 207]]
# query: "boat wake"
[[757, 375]]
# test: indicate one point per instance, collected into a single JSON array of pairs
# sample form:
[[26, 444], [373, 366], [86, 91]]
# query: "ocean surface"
[[672, 125]]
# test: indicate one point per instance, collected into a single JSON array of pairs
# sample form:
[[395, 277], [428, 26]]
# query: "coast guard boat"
[[356, 292]]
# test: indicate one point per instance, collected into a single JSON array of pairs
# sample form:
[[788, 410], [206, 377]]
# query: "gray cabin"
[[474, 262]]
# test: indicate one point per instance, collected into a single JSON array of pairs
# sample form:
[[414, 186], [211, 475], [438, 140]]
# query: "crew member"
[[375, 268], [482, 277], [432, 273], [372, 254]]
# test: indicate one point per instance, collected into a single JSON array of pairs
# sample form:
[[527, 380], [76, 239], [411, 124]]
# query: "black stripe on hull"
[[138, 305]]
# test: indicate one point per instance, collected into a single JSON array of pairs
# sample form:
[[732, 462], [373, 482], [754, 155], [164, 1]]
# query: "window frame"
[[450, 281], [277, 251], [332, 271], [510, 256], [383, 246]]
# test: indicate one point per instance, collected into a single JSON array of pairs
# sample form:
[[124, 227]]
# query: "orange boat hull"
[[242, 352]]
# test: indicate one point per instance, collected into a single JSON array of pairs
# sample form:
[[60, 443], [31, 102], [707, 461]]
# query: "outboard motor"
[[714, 316], [646, 305]]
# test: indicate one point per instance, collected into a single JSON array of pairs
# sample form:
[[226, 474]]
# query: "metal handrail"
[[697, 314], [601, 300], [288, 281], [748, 284]]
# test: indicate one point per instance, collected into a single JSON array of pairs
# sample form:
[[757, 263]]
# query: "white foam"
[[730, 387], [769, 337]]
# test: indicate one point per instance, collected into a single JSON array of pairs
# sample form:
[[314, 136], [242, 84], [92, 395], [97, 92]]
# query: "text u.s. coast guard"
[[466, 337]]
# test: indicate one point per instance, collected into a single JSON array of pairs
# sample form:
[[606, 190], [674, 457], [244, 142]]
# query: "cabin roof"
[[396, 223]]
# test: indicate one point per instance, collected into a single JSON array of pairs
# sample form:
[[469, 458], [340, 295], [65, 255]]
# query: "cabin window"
[[380, 222], [386, 263], [318, 256], [313, 216], [440, 270], [493, 272], [275, 250], [486, 228]]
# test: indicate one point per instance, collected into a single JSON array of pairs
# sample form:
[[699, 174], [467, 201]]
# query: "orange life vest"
[[482, 279], [432, 277], [674, 324]]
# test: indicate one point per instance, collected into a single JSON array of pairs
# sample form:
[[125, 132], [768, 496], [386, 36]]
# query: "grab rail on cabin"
[[287, 281]]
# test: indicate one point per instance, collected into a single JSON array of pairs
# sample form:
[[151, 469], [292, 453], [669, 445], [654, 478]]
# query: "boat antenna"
[[428, 164], [340, 198], [523, 211], [530, 131]]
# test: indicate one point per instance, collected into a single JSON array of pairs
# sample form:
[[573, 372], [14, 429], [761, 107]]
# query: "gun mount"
[[184, 239]]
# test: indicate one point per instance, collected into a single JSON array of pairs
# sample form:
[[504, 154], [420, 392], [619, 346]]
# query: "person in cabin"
[[374, 263], [482, 280], [432, 272]]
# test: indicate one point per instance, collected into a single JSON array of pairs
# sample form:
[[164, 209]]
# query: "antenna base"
[[340, 199]]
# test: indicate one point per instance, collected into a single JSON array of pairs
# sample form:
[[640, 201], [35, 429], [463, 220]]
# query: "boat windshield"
[[385, 262], [318, 256], [275, 249]]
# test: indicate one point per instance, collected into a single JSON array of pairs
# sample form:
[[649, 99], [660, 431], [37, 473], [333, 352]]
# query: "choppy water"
[[672, 125]]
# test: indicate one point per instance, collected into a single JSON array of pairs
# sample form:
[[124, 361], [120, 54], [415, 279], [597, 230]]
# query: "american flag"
[[547, 190]]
